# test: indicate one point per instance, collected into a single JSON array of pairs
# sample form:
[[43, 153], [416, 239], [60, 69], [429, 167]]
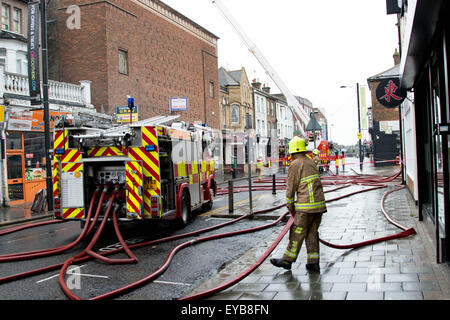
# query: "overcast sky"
[[315, 47]]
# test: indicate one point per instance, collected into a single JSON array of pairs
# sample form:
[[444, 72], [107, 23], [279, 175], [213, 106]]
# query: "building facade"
[[140, 48], [237, 114], [23, 170], [424, 31], [385, 131]]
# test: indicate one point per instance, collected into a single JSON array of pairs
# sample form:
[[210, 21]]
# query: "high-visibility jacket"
[[304, 181]]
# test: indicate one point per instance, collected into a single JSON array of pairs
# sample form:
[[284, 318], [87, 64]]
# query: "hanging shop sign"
[[389, 93], [33, 53]]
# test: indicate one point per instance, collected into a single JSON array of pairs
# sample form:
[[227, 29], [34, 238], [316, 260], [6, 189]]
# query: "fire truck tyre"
[[208, 205], [185, 214]]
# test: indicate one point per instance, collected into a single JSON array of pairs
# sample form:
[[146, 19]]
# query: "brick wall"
[[165, 60], [380, 112]]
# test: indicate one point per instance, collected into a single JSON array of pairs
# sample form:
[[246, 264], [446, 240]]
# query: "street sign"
[[123, 114]]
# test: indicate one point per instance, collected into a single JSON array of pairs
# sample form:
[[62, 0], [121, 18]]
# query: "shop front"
[[25, 154]]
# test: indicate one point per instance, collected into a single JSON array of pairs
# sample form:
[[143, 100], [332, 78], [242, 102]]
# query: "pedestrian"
[[304, 180]]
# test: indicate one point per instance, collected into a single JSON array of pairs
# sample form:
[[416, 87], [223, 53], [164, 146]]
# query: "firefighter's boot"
[[281, 263], [313, 267]]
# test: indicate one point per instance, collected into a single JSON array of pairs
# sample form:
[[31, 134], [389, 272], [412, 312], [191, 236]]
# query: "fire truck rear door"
[[134, 190]]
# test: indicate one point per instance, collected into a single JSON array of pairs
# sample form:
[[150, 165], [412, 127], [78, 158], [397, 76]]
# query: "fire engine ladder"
[[299, 114], [124, 130]]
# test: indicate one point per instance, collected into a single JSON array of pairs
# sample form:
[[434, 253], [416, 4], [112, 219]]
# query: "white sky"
[[315, 47]]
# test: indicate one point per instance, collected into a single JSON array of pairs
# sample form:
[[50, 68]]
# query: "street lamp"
[[361, 156]]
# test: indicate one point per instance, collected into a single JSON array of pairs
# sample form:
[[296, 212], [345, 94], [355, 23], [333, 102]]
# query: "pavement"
[[400, 269], [20, 213]]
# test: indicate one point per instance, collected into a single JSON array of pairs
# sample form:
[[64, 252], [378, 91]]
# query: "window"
[[234, 114], [6, 15], [123, 61], [211, 89], [17, 20]]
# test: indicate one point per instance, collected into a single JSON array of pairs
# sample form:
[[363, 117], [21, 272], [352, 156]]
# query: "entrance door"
[[15, 165]]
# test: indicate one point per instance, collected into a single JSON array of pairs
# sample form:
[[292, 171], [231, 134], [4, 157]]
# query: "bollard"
[[337, 165], [230, 197], [274, 187]]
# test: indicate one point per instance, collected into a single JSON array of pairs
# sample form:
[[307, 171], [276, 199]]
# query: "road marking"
[[169, 282], [70, 271]]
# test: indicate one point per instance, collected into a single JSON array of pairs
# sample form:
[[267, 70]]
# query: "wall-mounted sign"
[[389, 93], [179, 104], [31, 120], [33, 53]]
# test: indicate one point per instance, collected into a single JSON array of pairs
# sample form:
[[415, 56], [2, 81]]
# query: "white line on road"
[[72, 273], [169, 282]]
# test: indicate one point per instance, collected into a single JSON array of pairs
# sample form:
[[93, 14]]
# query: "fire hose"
[[46, 252], [169, 258]]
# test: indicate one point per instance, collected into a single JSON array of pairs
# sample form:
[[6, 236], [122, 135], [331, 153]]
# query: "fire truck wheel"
[[185, 214], [208, 205]]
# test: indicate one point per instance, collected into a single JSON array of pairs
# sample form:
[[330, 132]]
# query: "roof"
[[390, 73], [226, 79], [14, 36]]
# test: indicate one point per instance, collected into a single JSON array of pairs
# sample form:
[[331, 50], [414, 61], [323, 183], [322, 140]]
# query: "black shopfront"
[[425, 72]]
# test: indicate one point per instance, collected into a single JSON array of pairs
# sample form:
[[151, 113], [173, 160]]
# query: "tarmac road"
[[190, 267]]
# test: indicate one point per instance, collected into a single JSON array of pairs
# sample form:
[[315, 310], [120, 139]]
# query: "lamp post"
[[361, 156]]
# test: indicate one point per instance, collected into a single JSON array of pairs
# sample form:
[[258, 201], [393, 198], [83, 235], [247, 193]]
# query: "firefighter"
[[304, 180], [316, 158], [259, 166]]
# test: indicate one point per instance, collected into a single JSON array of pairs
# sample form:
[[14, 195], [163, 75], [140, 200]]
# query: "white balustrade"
[[59, 91]]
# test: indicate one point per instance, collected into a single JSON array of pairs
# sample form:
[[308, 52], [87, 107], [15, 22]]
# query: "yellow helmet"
[[297, 145], [316, 152]]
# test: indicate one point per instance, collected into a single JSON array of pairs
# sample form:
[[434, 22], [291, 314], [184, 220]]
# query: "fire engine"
[[158, 168]]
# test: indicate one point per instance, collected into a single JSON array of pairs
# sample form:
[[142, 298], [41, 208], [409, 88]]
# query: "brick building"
[[141, 48], [385, 127]]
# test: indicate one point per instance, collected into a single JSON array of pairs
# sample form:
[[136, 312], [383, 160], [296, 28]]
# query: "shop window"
[[13, 141], [34, 155]]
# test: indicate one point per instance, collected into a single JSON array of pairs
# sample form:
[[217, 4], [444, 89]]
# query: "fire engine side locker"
[[134, 188]]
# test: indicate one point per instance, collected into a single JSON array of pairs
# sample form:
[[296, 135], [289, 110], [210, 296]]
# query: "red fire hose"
[[371, 181], [37, 224], [46, 252], [405, 233]]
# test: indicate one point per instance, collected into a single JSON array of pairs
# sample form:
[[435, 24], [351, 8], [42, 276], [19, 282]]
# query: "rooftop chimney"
[[266, 89], [256, 84]]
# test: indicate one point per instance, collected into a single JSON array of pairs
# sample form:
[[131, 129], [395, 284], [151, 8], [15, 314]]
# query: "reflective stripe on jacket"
[[304, 181]]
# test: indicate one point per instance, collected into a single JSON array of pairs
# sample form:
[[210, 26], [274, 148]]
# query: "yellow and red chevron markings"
[[105, 152], [151, 171], [61, 141], [73, 213], [72, 155], [134, 180], [56, 177]]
